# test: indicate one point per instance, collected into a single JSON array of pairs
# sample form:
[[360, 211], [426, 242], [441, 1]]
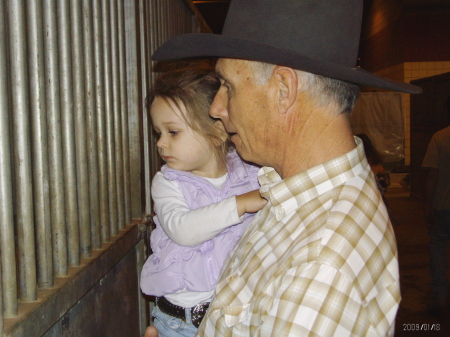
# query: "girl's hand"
[[150, 332], [250, 202]]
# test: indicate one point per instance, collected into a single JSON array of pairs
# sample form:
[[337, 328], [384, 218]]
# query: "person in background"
[[376, 163], [320, 259], [204, 197], [437, 213]]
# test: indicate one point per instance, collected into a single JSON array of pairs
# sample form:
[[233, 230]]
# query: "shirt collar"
[[288, 194]]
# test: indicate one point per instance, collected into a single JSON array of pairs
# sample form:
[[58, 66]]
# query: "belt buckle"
[[197, 313]]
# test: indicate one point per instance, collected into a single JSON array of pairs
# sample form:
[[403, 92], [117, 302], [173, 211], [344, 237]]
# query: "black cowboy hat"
[[317, 36]]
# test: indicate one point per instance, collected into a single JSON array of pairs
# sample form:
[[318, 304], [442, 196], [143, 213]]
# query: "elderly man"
[[320, 259]]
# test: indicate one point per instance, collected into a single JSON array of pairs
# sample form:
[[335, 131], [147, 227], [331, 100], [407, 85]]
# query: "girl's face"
[[178, 145]]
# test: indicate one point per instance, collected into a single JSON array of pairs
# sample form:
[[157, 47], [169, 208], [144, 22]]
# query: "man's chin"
[[236, 140]]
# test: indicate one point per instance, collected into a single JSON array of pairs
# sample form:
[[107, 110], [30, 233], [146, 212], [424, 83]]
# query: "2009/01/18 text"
[[421, 327]]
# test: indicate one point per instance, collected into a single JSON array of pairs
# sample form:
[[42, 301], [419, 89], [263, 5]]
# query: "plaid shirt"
[[319, 260]]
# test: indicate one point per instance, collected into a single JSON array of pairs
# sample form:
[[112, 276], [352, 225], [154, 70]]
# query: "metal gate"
[[76, 161]]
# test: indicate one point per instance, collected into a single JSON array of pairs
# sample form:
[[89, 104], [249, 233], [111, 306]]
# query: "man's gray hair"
[[323, 90]]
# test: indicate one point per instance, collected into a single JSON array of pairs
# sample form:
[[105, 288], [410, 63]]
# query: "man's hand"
[[250, 202]]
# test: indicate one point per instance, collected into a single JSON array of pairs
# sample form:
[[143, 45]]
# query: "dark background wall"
[[396, 31]]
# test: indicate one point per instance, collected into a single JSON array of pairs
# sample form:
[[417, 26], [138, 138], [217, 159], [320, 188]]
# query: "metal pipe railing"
[[22, 153], [82, 170], [123, 115], [55, 150], [38, 114], [109, 109], [7, 242], [101, 121], [68, 132], [91, 120], [76, 147], [116, 84]]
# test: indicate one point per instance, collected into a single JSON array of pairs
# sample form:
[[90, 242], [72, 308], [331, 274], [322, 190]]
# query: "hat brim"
[[212, 45]]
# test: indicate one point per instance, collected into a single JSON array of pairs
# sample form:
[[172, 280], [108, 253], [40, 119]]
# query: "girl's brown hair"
[[193, 85]]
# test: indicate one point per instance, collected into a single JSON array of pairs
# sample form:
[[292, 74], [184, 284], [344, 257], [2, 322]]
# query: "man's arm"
[[320, 300]]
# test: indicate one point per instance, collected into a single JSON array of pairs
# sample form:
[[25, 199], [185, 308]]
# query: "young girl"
[[202, 200]]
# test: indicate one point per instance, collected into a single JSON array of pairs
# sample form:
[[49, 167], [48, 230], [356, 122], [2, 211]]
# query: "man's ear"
[[287, 82]]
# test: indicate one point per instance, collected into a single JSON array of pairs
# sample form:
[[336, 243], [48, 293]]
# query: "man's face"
[[244, 108]]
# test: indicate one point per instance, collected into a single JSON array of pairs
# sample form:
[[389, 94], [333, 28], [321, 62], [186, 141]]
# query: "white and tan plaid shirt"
[[319, 260]]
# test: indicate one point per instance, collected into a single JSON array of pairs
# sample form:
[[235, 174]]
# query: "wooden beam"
[[204, 27]]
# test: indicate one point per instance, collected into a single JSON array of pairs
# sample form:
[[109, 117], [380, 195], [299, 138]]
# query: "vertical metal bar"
[[80, 126], [175, 19], [160, 23], [166, 20], [134, 82], [147, 129], [7, 243], [57, 188], [134, 97], [149, 133], [143, 305], [116, 84], [94, 198], [22, 153], [179, 17], [38, 114], [145, 30], [169, 19], [101, 121], [153, 32], [184, 16], [124, 113], [148, 49], [67, 112], [109, 105], [151, 22]]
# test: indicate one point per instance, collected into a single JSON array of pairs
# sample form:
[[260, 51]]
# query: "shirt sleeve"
[[188, 227], [431, 158]]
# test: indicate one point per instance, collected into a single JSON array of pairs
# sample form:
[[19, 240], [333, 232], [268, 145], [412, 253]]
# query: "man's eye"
[[224, 84]]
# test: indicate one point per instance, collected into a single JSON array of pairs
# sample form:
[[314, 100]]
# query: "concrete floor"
[[408, 219]]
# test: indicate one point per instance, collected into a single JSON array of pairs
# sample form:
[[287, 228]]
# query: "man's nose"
[[218, 107]]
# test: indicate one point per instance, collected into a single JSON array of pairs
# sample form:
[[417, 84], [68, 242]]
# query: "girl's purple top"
[[172, 267]]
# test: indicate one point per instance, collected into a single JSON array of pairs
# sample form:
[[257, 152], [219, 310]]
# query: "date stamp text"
[[421, 327]]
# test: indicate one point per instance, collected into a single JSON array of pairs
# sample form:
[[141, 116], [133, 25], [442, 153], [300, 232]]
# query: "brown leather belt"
[[197, 312]]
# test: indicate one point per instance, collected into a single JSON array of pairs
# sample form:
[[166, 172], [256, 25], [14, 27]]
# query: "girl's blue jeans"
[[169, 326]]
